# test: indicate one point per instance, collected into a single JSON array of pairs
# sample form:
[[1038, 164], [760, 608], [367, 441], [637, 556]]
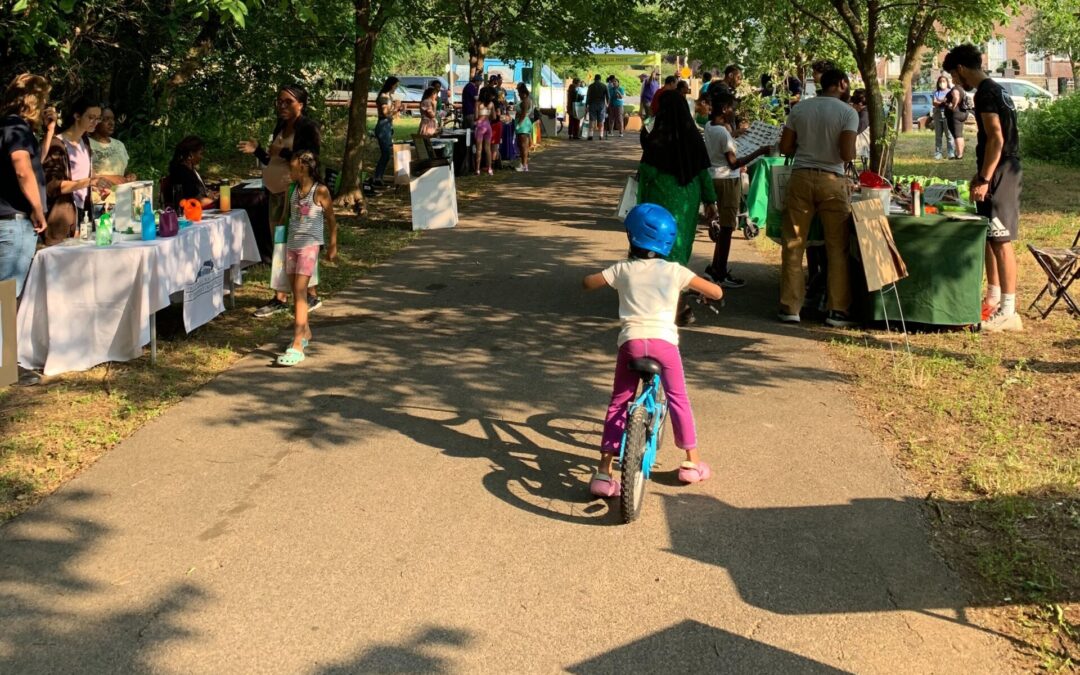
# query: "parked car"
[[1024, 94], [341, 95], [419, 83], [921, 104]]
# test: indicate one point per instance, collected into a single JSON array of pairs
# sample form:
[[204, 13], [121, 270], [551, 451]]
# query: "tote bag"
[[629, 198], [779, 175], [279, 281], [778, 183]]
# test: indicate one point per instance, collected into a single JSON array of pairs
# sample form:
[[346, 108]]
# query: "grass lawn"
[[988, 428]]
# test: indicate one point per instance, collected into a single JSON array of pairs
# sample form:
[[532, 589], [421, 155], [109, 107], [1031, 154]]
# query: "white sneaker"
[[999, 323], [788, 318]]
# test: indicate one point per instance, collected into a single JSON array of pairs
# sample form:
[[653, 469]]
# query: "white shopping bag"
[[629, 198], [778, 183], [279, 281]]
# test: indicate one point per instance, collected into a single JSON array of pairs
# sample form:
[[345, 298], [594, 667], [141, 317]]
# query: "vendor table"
[[944, 260], [508, 150], [462, 149], [84, 305]]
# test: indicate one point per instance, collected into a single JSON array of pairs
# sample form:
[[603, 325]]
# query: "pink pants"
[[626, 381]]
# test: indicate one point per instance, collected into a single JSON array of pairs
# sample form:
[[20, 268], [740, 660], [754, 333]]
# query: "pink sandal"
[[694, 473], [603, 485]]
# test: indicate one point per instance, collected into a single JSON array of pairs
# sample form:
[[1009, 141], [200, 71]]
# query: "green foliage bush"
[[1052, 132]]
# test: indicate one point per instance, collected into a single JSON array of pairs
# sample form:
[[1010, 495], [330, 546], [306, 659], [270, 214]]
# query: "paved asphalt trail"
[[413, 497]]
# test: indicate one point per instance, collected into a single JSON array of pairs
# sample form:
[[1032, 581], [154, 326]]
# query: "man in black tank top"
[[995, 188]]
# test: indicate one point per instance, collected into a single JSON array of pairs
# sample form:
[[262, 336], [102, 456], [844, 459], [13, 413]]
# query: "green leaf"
[[20, 6]]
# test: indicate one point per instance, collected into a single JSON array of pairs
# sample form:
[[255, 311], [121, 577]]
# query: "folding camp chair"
[[1062, 267]]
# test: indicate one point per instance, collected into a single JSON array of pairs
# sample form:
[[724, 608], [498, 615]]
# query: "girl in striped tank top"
[[311, 211]]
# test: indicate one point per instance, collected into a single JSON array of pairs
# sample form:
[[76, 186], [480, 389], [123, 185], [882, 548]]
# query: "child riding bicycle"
[[649, 288]]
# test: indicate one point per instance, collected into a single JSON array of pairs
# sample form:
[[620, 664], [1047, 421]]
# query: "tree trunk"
[[912, 62], [477, 53], [905, 108], [351, 193], [868, 69], [193, 59]]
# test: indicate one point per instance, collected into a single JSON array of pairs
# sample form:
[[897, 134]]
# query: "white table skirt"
[[84, 305]]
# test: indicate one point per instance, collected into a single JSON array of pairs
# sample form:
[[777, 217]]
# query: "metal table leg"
[[153, 338], [232, 289]]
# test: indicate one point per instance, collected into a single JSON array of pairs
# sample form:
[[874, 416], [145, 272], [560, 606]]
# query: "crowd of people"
[[683, 168], [55, 173], [598, 109], [485, 109], [689, 161], [57, 176]]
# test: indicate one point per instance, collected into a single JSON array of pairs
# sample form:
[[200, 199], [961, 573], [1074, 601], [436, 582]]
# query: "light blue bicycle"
[[644, 433]]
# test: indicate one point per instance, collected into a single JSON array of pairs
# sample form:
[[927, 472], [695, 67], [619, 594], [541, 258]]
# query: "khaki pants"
[[728, 200], [826, 195]]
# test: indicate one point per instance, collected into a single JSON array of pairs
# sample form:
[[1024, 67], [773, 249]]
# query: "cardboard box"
[[9, 347]]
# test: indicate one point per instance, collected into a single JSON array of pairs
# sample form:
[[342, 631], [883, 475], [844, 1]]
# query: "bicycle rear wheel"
[[633, 482]]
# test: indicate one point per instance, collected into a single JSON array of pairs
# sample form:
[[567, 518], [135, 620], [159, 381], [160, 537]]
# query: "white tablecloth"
[[84, 305]]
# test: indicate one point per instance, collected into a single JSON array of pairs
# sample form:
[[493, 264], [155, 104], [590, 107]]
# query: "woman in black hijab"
[[674, 171]]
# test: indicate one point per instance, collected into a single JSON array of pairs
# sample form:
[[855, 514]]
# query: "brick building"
[[1007, 56]]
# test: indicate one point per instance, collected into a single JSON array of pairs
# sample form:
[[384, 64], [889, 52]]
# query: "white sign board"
[[434, 199]]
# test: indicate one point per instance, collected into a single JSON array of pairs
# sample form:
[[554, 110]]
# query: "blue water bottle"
[[149, 227]]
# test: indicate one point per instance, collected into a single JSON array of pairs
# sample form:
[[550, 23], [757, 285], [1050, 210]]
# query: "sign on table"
[[880, 258], [204, 299]]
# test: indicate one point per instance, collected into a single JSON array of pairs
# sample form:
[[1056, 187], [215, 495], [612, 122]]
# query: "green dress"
[[683, 201]]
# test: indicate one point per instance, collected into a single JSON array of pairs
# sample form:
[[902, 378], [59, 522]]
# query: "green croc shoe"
[[291, 357]]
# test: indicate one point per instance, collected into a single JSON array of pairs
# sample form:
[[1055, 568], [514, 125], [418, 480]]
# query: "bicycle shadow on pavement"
[[694, 647], [522, 472]]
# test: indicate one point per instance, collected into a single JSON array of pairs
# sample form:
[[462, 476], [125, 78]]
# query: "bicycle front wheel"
[[633, 482]]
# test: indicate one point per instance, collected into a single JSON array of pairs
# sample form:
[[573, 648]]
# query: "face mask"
[[943, 86]]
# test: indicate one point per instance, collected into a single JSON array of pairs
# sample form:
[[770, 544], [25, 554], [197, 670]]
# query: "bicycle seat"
[[646, 366]]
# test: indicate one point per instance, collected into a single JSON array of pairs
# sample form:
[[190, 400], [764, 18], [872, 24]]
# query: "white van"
[[1024, 94]]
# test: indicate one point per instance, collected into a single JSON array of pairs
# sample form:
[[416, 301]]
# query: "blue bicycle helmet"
[[651, 227]]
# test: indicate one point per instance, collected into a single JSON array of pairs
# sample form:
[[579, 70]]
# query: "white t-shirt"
[[818, 123], [718, 142], [648, 296]]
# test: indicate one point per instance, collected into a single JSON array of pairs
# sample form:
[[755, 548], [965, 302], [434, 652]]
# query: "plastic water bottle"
[[149, 227], [916, 199], [104, 230], [85, 227]]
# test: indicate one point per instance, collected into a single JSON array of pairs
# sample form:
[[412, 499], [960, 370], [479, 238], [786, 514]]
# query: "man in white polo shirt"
[[820, 134]]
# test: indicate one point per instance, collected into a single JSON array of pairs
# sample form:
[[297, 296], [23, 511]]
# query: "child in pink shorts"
[[649, 288], [311, 211]]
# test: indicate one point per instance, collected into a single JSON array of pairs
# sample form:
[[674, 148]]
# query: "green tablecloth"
[[757, 200], [944, 260]]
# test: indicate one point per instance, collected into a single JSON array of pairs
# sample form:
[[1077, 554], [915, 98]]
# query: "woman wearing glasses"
[[294, 133], [69, 173]]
